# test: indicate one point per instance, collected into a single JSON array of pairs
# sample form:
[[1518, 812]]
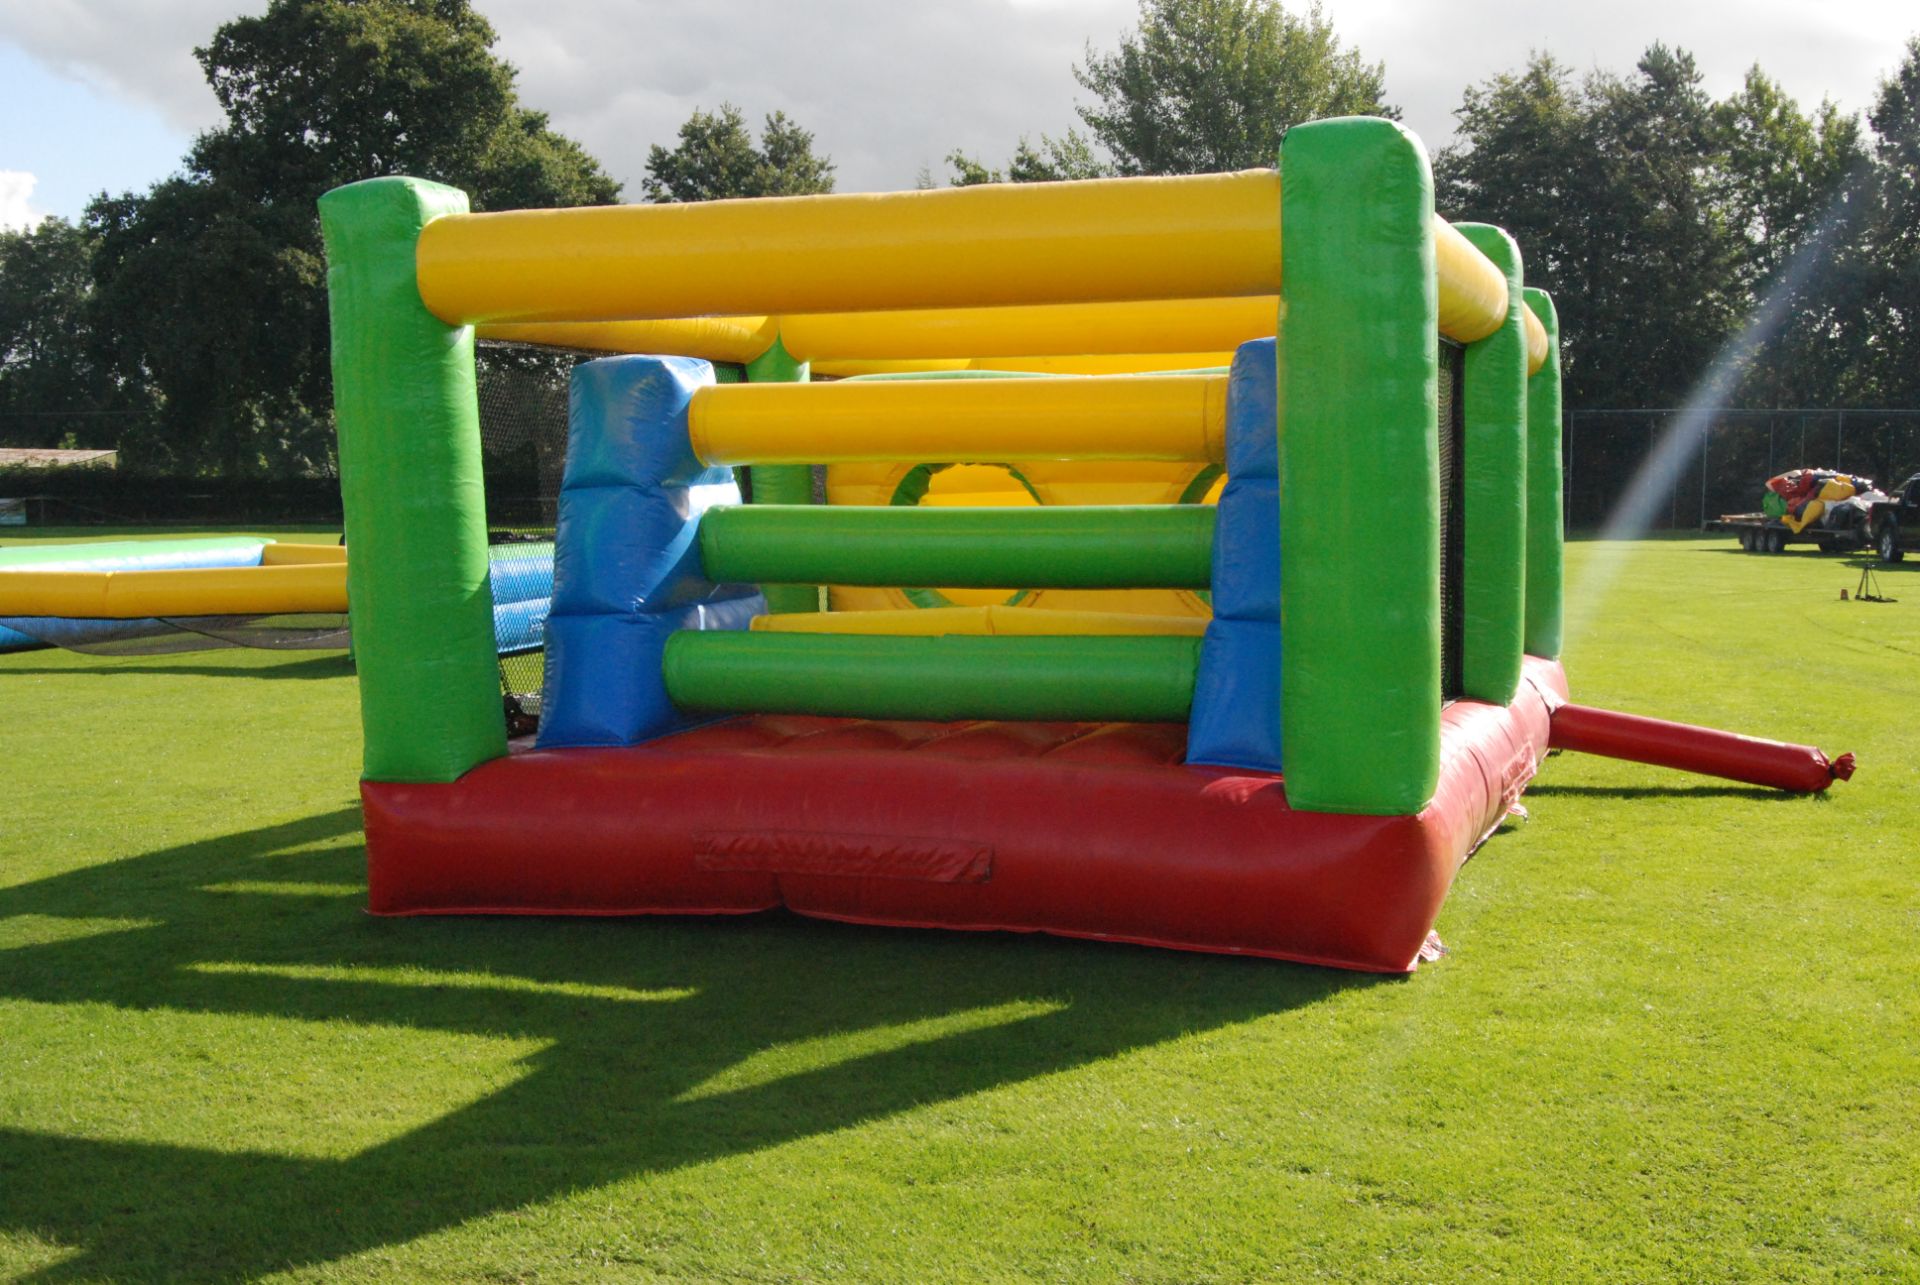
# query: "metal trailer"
[[1762, 533]]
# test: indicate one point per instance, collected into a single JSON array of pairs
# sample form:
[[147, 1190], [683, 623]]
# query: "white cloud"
[[16, 193], [1814, 50], [137, 49], [890, 85], [885, 86]]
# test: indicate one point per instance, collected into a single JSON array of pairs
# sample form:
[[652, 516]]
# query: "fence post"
[[1654, 433], [1706, 456]]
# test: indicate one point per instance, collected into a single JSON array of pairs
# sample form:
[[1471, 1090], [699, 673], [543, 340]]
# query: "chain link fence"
[[1734, 454], [525, 414]]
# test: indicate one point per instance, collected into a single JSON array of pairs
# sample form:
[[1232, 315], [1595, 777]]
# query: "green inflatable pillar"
[[1545, 524], [783, 483], [410, 481], [1494, 534], [1359, 470]]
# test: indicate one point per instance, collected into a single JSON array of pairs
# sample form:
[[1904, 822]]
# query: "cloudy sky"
[[104, 94]]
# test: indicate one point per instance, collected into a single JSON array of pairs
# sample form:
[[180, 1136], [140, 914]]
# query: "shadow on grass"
[[332, 665], [1804, 552], [1759, 792], [607, 1097], [1854, 560], [1905, 567]]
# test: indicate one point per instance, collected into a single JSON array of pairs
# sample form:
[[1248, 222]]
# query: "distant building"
[[47, 457]]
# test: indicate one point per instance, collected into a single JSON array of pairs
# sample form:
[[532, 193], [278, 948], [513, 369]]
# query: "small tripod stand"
[[1869, 588]]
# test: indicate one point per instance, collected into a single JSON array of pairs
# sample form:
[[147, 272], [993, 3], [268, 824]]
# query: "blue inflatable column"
[[626, 571], [1236, 701]]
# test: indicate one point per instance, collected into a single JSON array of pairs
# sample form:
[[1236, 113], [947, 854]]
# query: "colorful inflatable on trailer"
[[1273, 725], [1803, 496]]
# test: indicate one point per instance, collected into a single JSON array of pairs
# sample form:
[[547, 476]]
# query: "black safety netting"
[[1452, 430], [523, 433], [523, 445], [169, 635]]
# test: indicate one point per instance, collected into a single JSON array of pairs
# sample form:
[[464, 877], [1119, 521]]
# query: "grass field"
[[1678, 1036]]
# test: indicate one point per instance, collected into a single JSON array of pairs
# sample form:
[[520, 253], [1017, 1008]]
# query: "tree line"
[[186, 325]]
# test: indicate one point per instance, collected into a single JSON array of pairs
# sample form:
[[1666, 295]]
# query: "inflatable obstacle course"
[[1291, 760], [133, 596], [136, 596]]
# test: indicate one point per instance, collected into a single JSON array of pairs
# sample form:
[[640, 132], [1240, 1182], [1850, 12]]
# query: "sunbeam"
[[1686, 432]]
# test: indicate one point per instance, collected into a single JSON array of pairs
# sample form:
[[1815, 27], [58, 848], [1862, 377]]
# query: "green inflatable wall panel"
[[1545, 523], [410, 480], [1359, 371], [783, 483], [1494, 442]]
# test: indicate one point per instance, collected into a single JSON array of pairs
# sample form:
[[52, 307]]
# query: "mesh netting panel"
[[306, 631], [523, 443], [523, 433], [316, 631], [1452, 427]]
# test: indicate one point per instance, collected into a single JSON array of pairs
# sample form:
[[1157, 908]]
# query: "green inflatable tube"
[[1359, 470], [1494, 536], [1042, 547], [1118, 679], [405, 406], [783, 483], [1545, 525]]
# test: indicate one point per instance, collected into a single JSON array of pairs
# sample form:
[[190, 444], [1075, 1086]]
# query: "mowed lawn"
[[1678, 1036]]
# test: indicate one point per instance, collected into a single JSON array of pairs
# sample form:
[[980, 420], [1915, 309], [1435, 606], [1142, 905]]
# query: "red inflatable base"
[[1081, 830]]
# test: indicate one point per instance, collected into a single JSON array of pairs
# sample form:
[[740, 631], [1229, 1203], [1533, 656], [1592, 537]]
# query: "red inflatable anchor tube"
[[1751, 759]]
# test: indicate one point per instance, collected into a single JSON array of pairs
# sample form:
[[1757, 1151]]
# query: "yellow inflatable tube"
[[1097, 351], [1109, 363], [265, 590], [1073, 329], [937, 621], [917, 335], [1192, 236], [736, 339], [1117, 417], [288, 555], [1108, 266]]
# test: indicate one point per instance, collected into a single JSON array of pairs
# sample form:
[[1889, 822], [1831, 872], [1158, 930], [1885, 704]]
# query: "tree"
[[1780, 168], [968, 172], [1206, 85], [716, 158], [1794, 187], [210, 287], [1654, 215], [1891, 275], [1523, 161], [1054, 160], [54, 391], [1673, 289]]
